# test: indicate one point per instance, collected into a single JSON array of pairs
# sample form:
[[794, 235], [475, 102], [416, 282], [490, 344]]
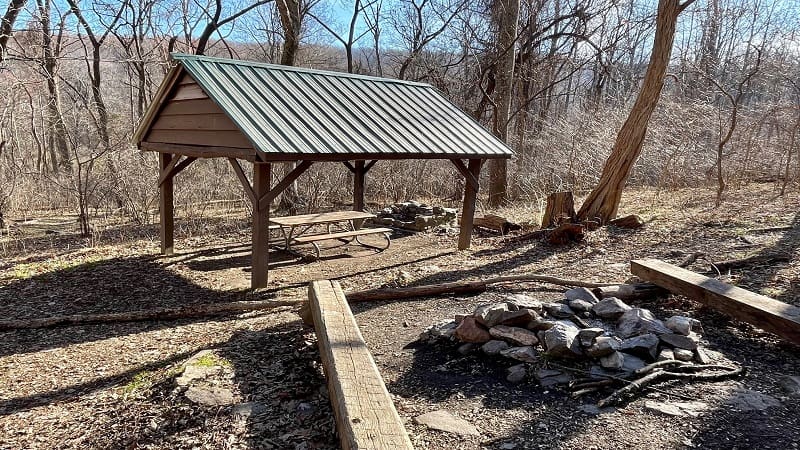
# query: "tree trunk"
[[7, 24], [507, 16], [603, 202], [289, 11], [560, 208]]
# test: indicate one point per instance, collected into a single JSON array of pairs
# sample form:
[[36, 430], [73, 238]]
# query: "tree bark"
[[7, 24], [603, 201], [507, 16], [560, 208]]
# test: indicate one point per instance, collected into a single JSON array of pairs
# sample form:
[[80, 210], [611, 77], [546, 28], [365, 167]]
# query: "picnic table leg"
[[260, 264]]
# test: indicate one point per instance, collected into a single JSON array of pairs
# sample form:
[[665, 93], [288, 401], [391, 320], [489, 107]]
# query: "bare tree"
[[603, 201]]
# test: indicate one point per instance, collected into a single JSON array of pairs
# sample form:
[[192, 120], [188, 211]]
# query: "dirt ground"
[[116, 385]]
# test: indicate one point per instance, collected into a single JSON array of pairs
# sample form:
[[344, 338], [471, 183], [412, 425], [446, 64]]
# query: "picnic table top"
[[320, 218]]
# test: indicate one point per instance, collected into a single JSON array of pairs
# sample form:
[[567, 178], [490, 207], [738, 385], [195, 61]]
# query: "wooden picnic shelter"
[[261, 113]]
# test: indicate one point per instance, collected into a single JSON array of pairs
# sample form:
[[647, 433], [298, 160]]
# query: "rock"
[[610, 308], [580, 305], [491, 315], [790, 384], [639, 321], [677, 409], [522, 301], [558, 310], [603, 345], [581, 293], [666, 354], [469, 347], [701, 356], [645, 345], [470, 331], [520, 317], [560, 340], [494, 347], [613, 361], [210, 396], [589, 409], [459, 317], [444, 421], [524, 354], [442, 330], [192, 372], [683, 355], [541, 324], [679, 324], [750, 400], [632, 363], [246, 410], [517, 373], [514, 335], [597, 372], [587, 335], [546, 373], [562, 378], [678, 341]]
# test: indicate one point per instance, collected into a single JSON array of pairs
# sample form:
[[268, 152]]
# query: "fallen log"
[[632, 222], [222, 309], [757, 259], [496, 223], [566, 233], [463, 287], [183, 312]]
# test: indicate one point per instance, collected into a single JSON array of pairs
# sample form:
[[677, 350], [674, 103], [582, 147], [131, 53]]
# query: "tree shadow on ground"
[[275, 366]]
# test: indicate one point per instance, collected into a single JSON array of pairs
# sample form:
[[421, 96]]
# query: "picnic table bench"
[[347, 224]]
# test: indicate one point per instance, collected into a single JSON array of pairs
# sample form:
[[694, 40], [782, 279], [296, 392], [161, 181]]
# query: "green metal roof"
[[287, 110]]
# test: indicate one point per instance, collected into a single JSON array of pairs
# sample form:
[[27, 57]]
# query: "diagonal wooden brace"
[[267, 198], [175, 167], [468, 176]]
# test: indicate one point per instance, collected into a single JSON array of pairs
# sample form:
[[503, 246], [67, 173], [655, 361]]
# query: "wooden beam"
[[200, 151], [166, 207], [268, 197], [349, 166], [261, 181], [369, 165], [468, 210], [468, 176], [359, 182], [365, 414], [758, 310], [174, 168], [248, 189]]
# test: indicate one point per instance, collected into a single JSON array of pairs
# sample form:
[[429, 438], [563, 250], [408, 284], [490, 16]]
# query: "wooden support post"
[[166, 207], [763, 312], [365, 414], [468, 210], [261, 182], [359, 176]]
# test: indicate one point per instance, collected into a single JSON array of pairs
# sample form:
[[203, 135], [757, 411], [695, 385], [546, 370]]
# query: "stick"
[[463, 287]]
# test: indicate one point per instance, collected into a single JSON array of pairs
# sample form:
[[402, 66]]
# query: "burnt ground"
[[114, 385]]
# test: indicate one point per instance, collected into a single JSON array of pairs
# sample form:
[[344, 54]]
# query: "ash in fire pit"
[[600, 341], [415, 216]]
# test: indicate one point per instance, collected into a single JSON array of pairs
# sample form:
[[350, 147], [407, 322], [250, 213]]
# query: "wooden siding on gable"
[[190, 117]]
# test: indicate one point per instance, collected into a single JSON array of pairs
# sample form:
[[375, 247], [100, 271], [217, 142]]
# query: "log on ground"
[[365, 414], [761, 311]]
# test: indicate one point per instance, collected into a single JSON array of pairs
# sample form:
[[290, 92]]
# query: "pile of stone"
[[415, 216], [609, 335]]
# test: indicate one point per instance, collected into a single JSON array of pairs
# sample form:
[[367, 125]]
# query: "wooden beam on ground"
[[758, 310], [269, 196], [470, 197], [260, 256], [166, 207], [365, 414]]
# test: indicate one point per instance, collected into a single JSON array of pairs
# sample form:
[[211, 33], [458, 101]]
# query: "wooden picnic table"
[[295, 229]]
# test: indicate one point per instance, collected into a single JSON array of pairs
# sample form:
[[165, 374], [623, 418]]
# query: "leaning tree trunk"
[[507, 16], [603, 202]]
